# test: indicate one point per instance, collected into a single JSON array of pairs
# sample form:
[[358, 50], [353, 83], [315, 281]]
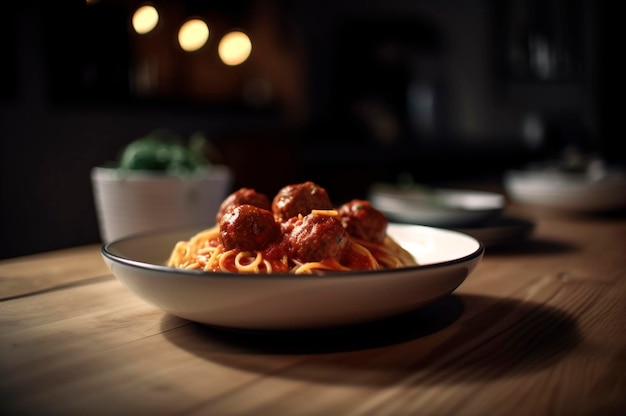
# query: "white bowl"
[[437, 207], [289, 302], [136, 201], [580, 192]]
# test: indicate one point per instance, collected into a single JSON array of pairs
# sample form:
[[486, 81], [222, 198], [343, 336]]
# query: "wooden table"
[[539, 328]]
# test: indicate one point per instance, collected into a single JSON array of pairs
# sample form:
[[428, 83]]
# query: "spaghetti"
[[298, 233]]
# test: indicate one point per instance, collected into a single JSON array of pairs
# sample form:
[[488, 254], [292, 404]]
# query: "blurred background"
[[342, 92]]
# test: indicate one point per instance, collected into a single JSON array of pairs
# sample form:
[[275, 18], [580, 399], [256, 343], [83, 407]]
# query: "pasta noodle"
[[204, 252]]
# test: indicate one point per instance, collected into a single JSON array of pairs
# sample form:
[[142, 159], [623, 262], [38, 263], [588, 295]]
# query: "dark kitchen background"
[[344, 93]]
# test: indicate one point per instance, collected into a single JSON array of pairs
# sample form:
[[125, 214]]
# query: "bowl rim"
[[115, 174], [107, 253]]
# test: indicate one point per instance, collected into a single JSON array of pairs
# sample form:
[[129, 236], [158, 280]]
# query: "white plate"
[[579, 192], [287, 302], [438, 207]]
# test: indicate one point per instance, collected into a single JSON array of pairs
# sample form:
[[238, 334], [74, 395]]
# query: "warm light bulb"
[[193, 34], [234, 48], [145, 19]]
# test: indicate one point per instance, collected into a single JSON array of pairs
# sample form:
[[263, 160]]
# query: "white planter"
[[133, 202]]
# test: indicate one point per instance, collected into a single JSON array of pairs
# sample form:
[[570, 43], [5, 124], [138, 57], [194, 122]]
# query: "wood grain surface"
[[539, 328]]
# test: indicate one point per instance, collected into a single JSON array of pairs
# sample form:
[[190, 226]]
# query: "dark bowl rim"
[[106, 251]]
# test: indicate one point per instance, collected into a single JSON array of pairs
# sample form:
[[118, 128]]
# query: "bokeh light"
[[193, 35], [145, 19], [234, 48]]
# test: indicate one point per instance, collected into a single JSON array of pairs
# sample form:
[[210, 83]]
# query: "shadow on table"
[[458, 338]]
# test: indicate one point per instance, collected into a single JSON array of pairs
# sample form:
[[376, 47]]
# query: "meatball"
[[247, 227], [362, 220], [243, 196], [299, 199], [317, 237]]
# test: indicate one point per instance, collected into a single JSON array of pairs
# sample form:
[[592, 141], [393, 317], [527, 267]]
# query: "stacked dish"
[[477, 213]]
